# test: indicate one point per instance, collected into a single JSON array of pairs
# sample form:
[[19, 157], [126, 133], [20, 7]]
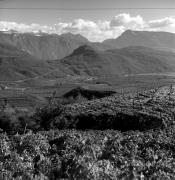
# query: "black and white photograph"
[[87, 90]]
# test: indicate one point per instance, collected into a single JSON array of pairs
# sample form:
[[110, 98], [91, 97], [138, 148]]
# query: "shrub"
[[44, 117]]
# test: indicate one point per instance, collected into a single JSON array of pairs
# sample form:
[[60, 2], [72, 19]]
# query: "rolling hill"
[[85, 60], [131, 60]]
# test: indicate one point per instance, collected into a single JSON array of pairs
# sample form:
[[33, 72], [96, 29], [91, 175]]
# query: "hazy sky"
[[96, 25]]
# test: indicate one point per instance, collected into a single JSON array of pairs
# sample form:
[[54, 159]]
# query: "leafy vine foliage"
[[72, 154], [74, 141]]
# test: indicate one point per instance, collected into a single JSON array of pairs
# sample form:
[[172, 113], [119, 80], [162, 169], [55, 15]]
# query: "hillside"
[[43, 46], [132, 60], [161, 40], [133, 111], [16, 64]]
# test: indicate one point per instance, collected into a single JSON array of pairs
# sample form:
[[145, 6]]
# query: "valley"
[[75, 109], [20, 93], [87, 90]]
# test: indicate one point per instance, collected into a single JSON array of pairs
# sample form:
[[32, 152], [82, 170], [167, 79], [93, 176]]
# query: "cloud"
[[96, 31], [5, 26], [159, 23], [127, 21]]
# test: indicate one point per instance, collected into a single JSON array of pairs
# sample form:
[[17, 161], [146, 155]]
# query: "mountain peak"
[[85, 50], [152, 39], [129, 32], [75, 36]]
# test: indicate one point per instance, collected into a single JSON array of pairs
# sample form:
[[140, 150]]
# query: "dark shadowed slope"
[[81, 94], [132, 60], [162, 40]]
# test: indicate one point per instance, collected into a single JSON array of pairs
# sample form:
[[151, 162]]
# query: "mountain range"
[[43, 46], [52, 46], [27, 55], [159, 40]]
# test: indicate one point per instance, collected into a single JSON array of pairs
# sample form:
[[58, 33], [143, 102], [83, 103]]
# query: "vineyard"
[[137, 111], [72, 154], [129, 136]]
